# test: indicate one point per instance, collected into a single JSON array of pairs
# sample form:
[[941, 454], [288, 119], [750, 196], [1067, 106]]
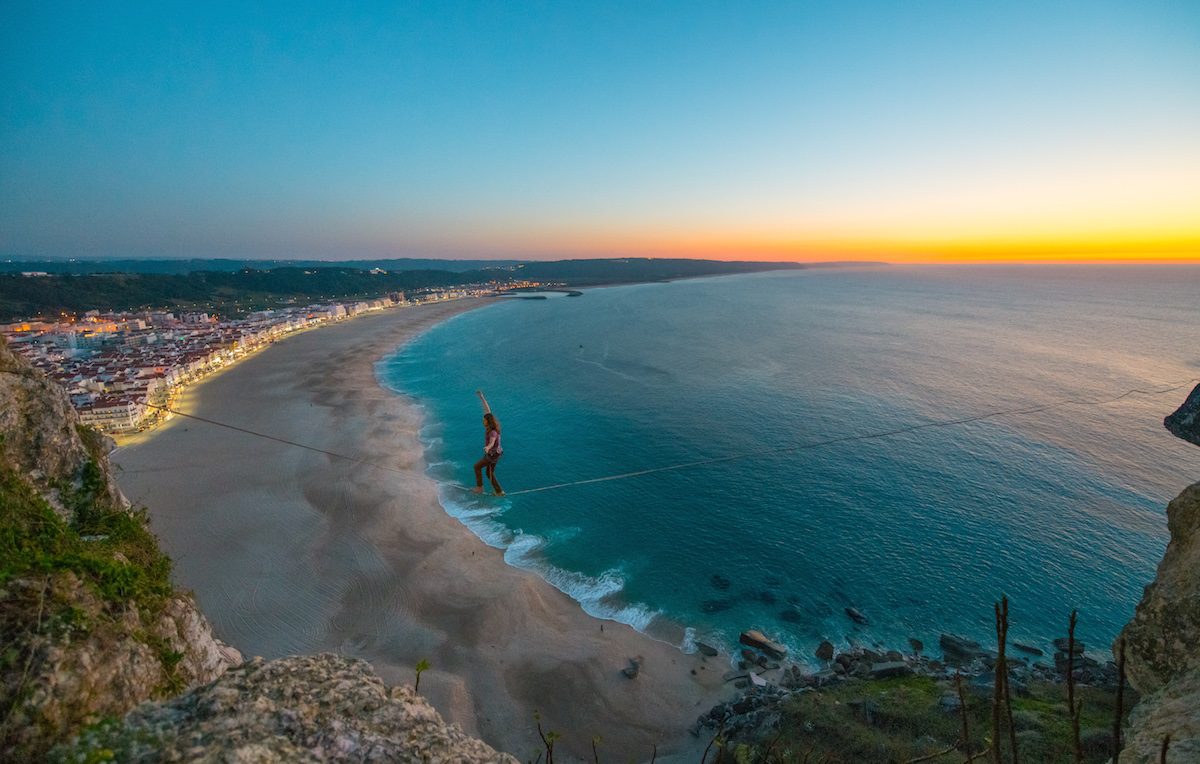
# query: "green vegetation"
[[422, 666], [44, 559], [110, 549], [227, 293], [902, 719], [188, 265], [106, 740], [237, 292]]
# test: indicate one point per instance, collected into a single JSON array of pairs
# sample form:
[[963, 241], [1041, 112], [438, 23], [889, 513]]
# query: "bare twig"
[[979, 755], [715, 737], [932, 756], [998, 687], [1119, 719], [962, 711], [766, 755], [1075, 708], [1008, 715], [1162, 753], [547, 741], [595, 753], [654, 753]]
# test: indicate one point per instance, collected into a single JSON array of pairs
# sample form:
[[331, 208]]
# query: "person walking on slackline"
[[492, 451]]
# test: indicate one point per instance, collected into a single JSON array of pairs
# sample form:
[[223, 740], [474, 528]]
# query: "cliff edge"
[[1163, 638], [89, 621], [102, 659], [305, 708]]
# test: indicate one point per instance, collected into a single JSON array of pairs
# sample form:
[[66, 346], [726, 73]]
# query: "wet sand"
[[291, 551]]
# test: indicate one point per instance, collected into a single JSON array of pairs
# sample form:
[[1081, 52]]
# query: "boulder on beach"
[[634, 668], [889, 669], [706, 650], [759, 641]]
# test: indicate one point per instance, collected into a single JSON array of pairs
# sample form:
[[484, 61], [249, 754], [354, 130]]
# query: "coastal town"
[[123, 370]]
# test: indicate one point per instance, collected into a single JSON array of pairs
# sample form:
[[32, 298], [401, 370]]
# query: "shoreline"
[[294, 552]]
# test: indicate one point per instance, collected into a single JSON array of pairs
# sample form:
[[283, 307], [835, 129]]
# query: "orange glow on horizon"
[[1112, 250]]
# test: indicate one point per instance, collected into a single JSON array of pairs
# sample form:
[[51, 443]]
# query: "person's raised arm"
[[486, 408]]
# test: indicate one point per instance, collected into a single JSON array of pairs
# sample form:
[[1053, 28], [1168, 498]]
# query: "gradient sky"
[[888, 130]]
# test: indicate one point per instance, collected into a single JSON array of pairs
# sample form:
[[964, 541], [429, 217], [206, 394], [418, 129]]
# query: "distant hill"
[[240, 291], [182, 267]]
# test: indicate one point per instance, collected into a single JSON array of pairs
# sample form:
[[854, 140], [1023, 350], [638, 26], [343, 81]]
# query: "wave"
[[599, 596]]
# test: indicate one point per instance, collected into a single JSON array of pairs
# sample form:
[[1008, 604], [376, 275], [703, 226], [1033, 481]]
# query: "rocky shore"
[[766, 679]]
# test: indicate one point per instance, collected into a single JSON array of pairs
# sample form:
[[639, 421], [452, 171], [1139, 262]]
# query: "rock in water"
[[759, 641], [857, 616], [960, 649], [916, 645], [706, 650], [1062, 643], [1028, 648], [825, 650], [1185, 422]]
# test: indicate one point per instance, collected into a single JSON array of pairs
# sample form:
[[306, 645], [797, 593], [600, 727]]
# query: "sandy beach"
[[291, 551]]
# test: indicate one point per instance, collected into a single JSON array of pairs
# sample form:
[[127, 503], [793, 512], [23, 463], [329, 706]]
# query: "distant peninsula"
[[34, 288]]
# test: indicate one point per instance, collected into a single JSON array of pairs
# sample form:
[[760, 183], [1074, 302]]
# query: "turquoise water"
[[921, 531]]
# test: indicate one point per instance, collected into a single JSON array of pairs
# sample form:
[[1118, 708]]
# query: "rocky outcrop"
[[1163, 639], [307, 708], [1185, 421], [1174, 710], [106, 664], [89, 621], [1162, 642], [42, 437], [92, 628]]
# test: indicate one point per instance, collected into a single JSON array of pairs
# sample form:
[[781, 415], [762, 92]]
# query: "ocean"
[[921, 531]]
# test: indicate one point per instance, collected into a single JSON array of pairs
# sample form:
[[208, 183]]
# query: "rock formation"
[[42, 436], [1163, 639], [89, 622], [91, 628], [1185, 421], [304, 708]]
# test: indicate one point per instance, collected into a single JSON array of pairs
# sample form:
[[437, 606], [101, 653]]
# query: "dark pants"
[[488, 462]]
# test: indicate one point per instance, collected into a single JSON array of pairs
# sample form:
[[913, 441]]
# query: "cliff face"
[[89, 621], [1163, 639], [303, 708], [42, 438], [91, 627]]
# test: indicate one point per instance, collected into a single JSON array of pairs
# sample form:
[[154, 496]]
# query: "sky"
[[901, 131]]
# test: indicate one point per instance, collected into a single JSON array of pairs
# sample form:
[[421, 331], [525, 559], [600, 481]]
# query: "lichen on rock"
[[304, 708]]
